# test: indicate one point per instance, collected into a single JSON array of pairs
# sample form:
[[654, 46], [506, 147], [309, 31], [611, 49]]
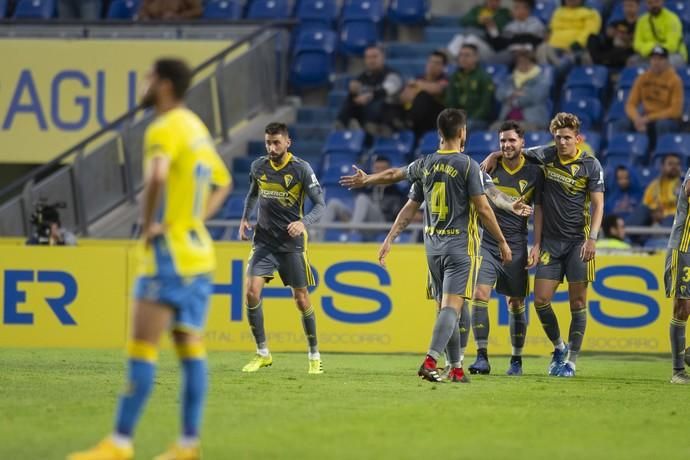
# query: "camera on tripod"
[[42, 219]]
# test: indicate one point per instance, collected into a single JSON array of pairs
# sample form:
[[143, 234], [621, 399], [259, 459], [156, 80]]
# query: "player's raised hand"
[[490, 162], [521, 208], [588, 250], [354, 181], [296, 228], [383, 251], [533, 257], [244, 228], [506, 253]]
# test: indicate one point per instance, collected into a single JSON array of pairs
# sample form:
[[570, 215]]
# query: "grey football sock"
[[549, 322], [453, 348], [480, 322], [518, 329], [578, 323], [446, 321], [309, 324], [677, 334], [255, 315], [464, 325]]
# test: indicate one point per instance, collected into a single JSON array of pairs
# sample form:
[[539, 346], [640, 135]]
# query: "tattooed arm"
[[505, 202]]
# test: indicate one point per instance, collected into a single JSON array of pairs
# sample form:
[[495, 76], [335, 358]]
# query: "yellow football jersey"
[[186, 248]]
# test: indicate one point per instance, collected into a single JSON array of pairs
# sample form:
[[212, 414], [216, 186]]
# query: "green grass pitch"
[[365, 406]]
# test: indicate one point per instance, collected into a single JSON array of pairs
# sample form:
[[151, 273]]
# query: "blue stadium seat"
[[429, 143], [628, 76], [400, 143], [268, 9], [626, 146], [536, 138], [684, 74], [588, 110], [345, 141], [395, 50], [241, 165], [316, 13], [340, 193], [336, 165], [498, 72], [34, 9], [617, 11], [595, 77], [316, 40], [543, 9], [408, 67], [593, 138], [481, 143], [682, 9], [223, 9], [313, 59], [310, 114], [597, 5], [233, 207], [123, 9], [673, 143], [440, 36], [371, 10], [410, 12], [342, 236], [356, 35], [256, 148], [577, 92], [336, 98], [3, 8]]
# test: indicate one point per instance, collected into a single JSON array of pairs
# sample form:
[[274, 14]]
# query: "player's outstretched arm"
[[402, 220], [488, 218], [507, 203], [249, 205], [361, 179]]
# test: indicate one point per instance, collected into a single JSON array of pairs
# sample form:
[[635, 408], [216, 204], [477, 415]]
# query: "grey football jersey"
[[680, 233]]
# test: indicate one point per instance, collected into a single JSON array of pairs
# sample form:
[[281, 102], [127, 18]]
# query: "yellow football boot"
[[257, 363], [104, 450]]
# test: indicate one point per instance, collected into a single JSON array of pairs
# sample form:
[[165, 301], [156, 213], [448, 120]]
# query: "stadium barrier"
[[79, 297]]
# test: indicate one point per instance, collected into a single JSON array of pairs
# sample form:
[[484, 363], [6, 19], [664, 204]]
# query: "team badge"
[[523, 185], [574, 169], [263, 178], [495, 180], [288, 179]]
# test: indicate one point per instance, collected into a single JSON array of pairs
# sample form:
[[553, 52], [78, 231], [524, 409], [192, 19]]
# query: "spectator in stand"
[[524, 96], [659, 91], [659, 200], [660, 27], [524, 29], [614, 47], [174, 10], [470, 88], [624, 195], [613, 227], [478, 24], [373, 100], [570, 27], [379, 203], [88, 10], [422, 97]]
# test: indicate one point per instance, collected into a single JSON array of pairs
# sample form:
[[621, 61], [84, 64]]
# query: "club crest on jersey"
[[288, 179], [523, 185], [574, 169], [495, 180], [263, 178]]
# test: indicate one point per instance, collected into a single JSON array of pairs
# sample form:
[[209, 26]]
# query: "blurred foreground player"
[[185, 183]]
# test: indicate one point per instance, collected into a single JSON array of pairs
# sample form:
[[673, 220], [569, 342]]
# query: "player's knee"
[[515, 304], [541, 299], [301, 297], [252, 296], [578, 303]]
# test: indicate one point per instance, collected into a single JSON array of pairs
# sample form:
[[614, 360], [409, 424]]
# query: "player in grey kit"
[[457, 343], [280, 182], [573, 182], [518, 179], [455, 198], [677, 281]]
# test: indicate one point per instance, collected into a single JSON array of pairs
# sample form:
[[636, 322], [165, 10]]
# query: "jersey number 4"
[[439, 205]]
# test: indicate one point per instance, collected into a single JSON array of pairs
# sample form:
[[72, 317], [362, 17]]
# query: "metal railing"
[[105, 170]]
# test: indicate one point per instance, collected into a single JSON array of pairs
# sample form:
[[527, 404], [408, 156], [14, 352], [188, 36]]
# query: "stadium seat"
[[588, 110], [223, 10], [632, 146], [256, 148], [536, 138], [409, 12], [397, 147], [313, 58], [440, 36], [617, 11], [543, 9], [682, 9], [596, 5], [34, 9], [429, 143], [316, 13], [3, 8], [371, 10], [336, 99], [395, 50], [340, 193], [628, 76], [408, 68], [684, 74], [233, 207], [673, 143], [241, 165], [595, 77], [123, 9], [336, 165], [593, 138], [345, 142], [316, 40], [342, 236], [498, 72], [268, 9], [481, 143], [356, 35]]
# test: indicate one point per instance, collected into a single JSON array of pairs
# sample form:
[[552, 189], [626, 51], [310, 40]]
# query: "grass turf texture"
[[366, 406]]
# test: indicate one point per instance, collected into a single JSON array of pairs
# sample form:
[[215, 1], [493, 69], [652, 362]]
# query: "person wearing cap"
[[659, 92], [50, 231], [660, 26], [524, 96]]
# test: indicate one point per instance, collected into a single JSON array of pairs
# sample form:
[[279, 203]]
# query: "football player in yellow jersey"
[[185, 182], [279, 183]]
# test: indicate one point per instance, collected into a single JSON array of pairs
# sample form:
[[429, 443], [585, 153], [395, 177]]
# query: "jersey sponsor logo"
[[558, 177], [523, 185], [288, 179]]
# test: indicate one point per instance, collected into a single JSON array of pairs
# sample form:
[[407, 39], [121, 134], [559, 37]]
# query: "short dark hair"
[[471, 46], [609, 222], [450, 121], [512, 125], [440, 54], [528, 3], [275, 128], [381, 158], [177, 72]]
